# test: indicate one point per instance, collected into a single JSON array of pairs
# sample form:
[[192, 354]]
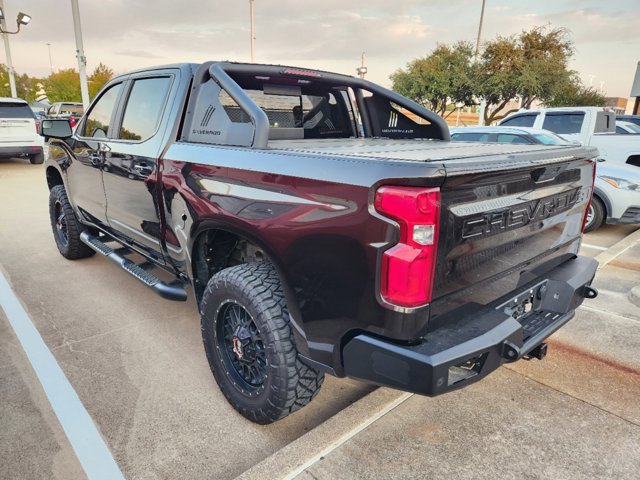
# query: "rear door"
[[505, 220], [130, 167], [17, 124]]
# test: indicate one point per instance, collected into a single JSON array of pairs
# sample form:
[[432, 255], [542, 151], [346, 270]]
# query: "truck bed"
[[459, 156]]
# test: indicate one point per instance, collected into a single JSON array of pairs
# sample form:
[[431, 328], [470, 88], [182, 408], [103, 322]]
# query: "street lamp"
[[21, 19]]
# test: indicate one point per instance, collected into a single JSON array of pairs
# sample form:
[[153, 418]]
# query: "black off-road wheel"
[[250, 346], [66, 227], [36, 159], [595, 215]]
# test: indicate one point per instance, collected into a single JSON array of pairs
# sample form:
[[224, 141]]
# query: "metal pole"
[[480, 29], [82, 60], [50, 62], [483, 102], [362, 66], [253, 38], [12, 78]]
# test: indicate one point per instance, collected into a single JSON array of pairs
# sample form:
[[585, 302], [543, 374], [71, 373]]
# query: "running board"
[[170, 291]]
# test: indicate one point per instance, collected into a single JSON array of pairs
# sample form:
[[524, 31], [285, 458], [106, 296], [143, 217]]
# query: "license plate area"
[[525, 303]]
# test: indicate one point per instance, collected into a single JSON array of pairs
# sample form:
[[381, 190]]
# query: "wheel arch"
[[241, 242], [54, 177]]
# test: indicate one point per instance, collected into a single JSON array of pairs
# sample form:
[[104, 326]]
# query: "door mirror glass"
[[55, 129]]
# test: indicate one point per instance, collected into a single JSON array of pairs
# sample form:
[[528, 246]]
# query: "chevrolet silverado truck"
[[325, 225]]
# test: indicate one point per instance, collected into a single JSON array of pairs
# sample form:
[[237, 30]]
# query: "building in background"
[[617, 104]]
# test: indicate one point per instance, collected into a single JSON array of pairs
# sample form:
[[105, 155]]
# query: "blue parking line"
[[90, 448]]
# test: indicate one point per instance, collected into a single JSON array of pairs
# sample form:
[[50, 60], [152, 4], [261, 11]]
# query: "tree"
[[63, 86], [575, 94], [100, 76], [26, 86], [532, 65], [446, 75]]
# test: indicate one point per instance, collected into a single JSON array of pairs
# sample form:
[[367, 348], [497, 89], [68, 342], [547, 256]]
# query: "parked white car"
[[589, 126], [625, 128], [616, 196], [19, 136]]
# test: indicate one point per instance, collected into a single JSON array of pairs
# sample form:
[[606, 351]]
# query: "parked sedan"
[[524, 135], [616, 197], [626, 128]]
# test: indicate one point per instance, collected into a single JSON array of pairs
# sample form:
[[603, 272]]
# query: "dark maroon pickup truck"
[[326, 225]]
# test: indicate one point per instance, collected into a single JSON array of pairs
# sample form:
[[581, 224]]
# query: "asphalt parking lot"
[[137, 365]]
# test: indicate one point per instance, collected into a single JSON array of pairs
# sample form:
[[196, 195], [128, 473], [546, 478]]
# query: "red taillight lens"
[[586, 212], [72, 121], [408, 268]]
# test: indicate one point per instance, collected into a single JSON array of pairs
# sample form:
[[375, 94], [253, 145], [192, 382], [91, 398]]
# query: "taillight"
[[408, 268], [593, 183], [37, 126], [72, 121]]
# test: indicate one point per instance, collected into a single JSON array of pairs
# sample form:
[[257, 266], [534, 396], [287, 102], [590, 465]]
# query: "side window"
[[99, 118], [470, 137], [144, 108], [511, 138], [563, 122], [520, 121]]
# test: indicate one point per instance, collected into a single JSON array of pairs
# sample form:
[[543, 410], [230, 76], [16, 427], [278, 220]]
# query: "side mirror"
[[55, 129]]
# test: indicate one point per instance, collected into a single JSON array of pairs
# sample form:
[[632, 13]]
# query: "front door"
[[88, 144]]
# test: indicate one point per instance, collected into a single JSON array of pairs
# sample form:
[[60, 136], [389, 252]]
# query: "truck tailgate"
[[505, 221]]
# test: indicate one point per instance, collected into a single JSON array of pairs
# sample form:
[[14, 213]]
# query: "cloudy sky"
[[327, 34]]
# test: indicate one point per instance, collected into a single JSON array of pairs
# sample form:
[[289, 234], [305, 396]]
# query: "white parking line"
[[90, 448], [595, 247]]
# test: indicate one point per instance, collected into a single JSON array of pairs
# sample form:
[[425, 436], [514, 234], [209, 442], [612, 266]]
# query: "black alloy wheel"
[[240, 346]]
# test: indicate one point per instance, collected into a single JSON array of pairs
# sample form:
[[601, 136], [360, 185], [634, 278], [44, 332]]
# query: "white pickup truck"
[[590, 126]]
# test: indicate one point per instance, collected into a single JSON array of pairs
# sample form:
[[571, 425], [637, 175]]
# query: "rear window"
[[70, 108], [511, 138], [15, 110], [470, 137], [520, 121], [563, 122]]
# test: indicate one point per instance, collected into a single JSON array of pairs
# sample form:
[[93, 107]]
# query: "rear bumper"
[[468, 350], [15, 151]]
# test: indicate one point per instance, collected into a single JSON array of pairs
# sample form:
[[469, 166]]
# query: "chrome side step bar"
[[170, 291]]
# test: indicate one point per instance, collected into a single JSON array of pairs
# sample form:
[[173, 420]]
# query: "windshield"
[[71, 108], [549, 139]]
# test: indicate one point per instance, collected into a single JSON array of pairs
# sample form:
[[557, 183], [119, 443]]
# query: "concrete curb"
[[618, 248], [293, 459]]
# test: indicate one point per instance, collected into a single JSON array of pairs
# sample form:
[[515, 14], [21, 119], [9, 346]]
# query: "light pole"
[[483, 102], [50, 62], [82, 60], [361, 70], [22, 19], [253, 37]]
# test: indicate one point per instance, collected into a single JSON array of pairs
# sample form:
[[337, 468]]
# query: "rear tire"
[[595, 215], [37, 159], [250, 346], [66, 226]]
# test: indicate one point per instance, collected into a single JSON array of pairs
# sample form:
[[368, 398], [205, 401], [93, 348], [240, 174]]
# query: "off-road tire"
[[599, 214], [37, 159], [289, 384], [72, 248]]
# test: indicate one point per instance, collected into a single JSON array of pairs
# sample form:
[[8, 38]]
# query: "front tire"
[[250, 346], [66, 226], [595, 215], [37, 159]]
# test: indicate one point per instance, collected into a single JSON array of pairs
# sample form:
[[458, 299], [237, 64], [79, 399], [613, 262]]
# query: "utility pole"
[[7, 49], [82, 60], [50, 62], [483, 103], [253, 37]]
